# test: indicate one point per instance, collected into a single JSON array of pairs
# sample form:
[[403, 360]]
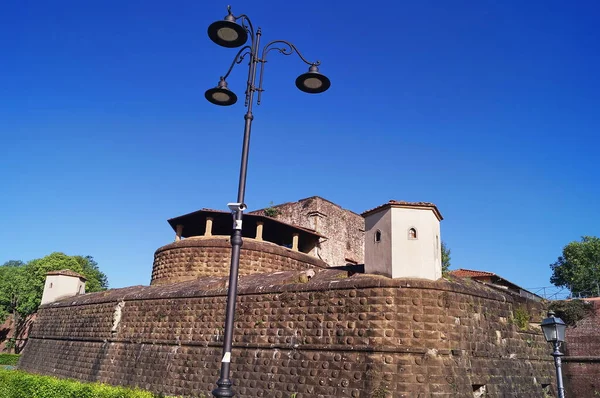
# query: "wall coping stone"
[[281, 282]]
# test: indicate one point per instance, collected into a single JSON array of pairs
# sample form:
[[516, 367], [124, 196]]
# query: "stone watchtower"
[[61, 284], [402, 240]]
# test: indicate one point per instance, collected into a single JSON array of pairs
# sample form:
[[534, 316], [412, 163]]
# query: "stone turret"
[[402, 240], [61, 284]]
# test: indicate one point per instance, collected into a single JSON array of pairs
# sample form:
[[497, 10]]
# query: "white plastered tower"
[[402, 240], [61, 284]]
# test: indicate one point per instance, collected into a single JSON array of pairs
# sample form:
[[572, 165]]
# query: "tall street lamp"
[[554, 332], [233, 32]]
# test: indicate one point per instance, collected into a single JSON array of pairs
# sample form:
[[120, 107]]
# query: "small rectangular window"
[[412, 233], [377, 236]]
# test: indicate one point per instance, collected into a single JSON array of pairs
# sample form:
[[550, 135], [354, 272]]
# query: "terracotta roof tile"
[[400, 203], [469, 273], [67, 272]]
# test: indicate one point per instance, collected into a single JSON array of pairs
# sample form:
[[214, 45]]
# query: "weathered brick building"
[[304, 328], [343, 229], [582, 361]]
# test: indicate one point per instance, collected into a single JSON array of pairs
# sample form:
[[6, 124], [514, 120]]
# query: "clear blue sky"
[[490, 109]]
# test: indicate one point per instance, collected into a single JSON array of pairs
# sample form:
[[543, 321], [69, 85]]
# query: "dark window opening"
[[412, 233], [377, 236]]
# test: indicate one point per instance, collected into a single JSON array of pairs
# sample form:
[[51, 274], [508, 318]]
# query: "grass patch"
[[521, 318], [9, 359], [17, 384]]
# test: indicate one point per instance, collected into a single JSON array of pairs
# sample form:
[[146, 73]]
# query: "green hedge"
[[9, 359], [17, 384]]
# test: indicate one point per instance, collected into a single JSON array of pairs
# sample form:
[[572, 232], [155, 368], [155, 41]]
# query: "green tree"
[[12, 286], [36, 271], [22, 285], [271, 211], [578, 269], [445, 257], [96, 279], [13, 263]]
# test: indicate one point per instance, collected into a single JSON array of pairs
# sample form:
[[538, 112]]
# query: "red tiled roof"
[[402, 203], [469, 273], [172, 221], [218, 211], [310, 230], [256, 213], [67, 272]]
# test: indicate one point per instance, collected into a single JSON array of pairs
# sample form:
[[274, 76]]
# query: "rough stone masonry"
[[320, 333]]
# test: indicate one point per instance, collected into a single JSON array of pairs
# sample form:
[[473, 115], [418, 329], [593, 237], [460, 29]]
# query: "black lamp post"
[[229, 33], [554, 332]]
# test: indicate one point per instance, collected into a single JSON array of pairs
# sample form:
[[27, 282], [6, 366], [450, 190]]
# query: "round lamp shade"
[[313, 82], [227, 34], [221, 95]]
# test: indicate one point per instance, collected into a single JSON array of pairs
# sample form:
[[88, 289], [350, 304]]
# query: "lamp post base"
[[224, 390]]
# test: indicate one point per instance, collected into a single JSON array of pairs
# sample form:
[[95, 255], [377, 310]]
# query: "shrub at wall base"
[[16, 384]]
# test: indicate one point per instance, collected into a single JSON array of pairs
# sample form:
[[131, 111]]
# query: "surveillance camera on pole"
[[235, 209]]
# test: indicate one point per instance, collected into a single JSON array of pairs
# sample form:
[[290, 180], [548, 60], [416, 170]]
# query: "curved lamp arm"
[[239, 57], [246, 23], [287, 49]]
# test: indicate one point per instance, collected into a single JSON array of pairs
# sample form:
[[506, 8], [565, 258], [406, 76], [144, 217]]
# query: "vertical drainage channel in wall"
[[117, 317], [479, 391]]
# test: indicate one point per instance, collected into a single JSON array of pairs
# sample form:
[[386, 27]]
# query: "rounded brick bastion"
[[200, 256]]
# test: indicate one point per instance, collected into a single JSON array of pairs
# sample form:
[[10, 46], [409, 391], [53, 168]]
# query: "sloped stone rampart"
[[332, 336], [196, 257]]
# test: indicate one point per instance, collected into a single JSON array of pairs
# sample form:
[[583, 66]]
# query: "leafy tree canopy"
[[22, 285], [13, 263], [96, 279], [578, 269], [11, 287], [445, 257]]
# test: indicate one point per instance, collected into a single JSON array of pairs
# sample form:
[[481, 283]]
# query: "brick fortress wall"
[[192, 258], [330, 336], [344, 229], [582, 361]]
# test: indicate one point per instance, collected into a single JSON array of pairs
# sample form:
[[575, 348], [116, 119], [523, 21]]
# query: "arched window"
[[51, 285], [377, 236], [412, 233]]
